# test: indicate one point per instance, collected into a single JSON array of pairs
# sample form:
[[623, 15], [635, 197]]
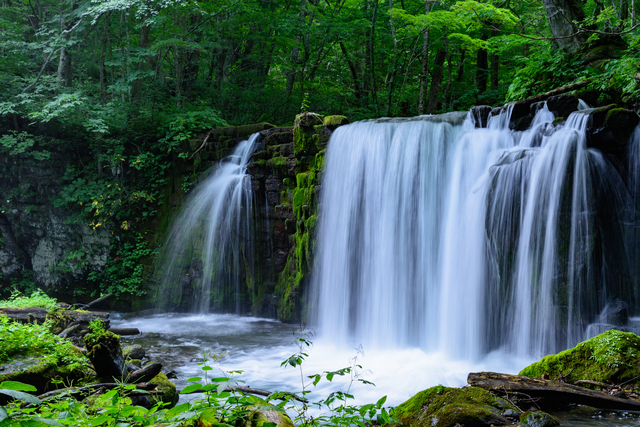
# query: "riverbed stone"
[[135, 351], [537, 419]]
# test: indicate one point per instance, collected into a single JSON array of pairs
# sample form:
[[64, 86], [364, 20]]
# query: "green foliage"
[[15, 143], [183, 125], [223, 403], [26, 340], [24, 283], [125, 272], [544, 69], [36, 299], [16, 390]]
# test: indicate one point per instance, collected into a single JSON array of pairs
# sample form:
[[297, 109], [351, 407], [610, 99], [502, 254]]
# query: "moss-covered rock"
[[445, 407], [169, 393], [612, 356], [58, 320], [264, 414], [537, 419], [105, 353], [333, 122], [45, 372]]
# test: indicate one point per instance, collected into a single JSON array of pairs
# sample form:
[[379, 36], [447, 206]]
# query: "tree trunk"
[[495, 71], [394, 66], [372, 68], [437, 71], [103, 71], [424, 64], [561, 14], [482, 71], [295, 55], [142, 65]]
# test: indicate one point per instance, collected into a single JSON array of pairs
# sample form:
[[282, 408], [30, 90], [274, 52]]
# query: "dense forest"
[[123, 83]]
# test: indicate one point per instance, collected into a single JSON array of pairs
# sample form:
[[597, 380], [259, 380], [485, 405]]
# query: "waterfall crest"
[[437, 234]]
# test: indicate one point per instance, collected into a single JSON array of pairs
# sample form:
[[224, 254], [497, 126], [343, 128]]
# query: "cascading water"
[[204, 263], [436, 234]]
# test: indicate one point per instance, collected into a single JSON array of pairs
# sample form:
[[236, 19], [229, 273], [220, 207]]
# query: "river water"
[[259, 346]]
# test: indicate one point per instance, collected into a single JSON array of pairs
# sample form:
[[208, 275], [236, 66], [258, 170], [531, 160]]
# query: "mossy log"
[[39, 315], [552, 392]]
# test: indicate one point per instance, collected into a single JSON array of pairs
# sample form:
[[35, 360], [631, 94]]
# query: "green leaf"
[[381, 401], [3, 413], [192, 379], [15, 385], [101, 420], [191, 388], [25, 397], [179, 409], [48, 421]]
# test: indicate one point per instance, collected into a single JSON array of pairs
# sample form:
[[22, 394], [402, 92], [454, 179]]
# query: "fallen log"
[[39, 315], [250, 390], [551, 392], [125, 331], [144, 374], [94, 302]]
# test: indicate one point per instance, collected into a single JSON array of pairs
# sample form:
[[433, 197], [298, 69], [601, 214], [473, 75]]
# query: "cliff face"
[[42, 245]]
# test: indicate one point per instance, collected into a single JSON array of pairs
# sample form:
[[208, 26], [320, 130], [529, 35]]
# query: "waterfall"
[[437, 234], [204, 264]]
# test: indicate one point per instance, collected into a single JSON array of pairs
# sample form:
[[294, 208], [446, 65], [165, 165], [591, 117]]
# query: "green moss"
[[445, 407], [611, 356], [57, 320], [265, 414], [335, 121], [169, 393], [301, 194], [105, 337]]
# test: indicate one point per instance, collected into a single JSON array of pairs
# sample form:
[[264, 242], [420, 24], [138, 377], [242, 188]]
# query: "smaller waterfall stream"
[[203, 264]]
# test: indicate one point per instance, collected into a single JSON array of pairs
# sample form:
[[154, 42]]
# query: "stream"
[[258, 347]]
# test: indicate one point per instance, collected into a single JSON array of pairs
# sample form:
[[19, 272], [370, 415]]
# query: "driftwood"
[[250, 390], [552, 392], [144, 374], [94, 302], [125, 331]]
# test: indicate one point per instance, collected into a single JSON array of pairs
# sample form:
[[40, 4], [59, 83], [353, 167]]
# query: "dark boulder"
[[559, 105], [480, 115]]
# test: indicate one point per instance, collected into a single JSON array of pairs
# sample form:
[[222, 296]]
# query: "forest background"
[[122, 83]]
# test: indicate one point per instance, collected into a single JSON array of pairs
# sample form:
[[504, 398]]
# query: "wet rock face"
[[285, 179], [37, 239], [559, 105]]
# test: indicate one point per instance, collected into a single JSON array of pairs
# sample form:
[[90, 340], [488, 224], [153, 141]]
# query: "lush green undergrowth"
[[37, 299], [223, 400]]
